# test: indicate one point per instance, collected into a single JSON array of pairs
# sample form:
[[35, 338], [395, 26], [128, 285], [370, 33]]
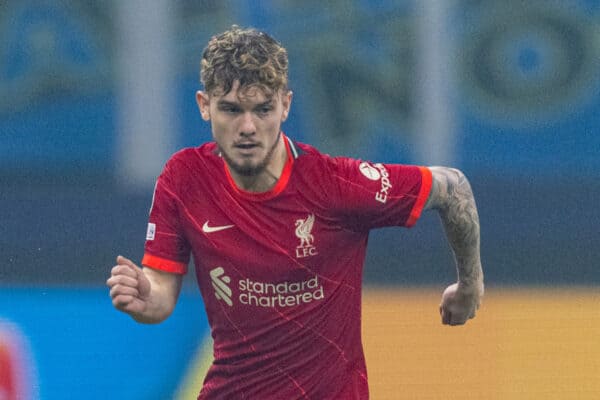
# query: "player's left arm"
[[452, 197]]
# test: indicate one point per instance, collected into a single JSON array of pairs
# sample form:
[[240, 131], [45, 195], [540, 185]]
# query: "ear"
[[287, 103], [203, 101]]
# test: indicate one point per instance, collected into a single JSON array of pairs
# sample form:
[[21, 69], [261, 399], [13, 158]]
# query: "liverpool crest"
[[303, 232]]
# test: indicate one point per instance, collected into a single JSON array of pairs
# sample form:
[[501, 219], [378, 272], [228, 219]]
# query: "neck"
[[266, 179]]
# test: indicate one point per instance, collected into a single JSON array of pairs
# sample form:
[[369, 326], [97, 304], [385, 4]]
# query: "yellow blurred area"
[[192, 382], [525, 343]]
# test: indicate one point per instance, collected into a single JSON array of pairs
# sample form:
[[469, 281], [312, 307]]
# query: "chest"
[[291, 237]]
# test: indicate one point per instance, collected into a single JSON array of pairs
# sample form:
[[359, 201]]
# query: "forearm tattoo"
[[452, 196]]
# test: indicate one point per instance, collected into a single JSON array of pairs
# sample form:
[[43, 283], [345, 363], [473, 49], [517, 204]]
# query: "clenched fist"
[[129, 287], [460, 303]]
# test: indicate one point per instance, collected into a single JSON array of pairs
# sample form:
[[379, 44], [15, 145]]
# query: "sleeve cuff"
[[163, 264], [426, 179]]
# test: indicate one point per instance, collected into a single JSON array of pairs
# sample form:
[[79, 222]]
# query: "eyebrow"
[[226, 103]]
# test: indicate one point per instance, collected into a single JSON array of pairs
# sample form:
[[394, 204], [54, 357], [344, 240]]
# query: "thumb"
[[143, 281], [125, 261]]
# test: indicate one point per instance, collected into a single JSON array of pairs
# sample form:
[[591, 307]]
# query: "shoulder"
[[305, 151], [189, 156], [307, 158], [206, 150], [311, 154], [349, 167], [192, 163], [341, 169]]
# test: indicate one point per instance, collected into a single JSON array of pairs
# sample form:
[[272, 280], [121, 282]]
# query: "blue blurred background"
[[95, 96]]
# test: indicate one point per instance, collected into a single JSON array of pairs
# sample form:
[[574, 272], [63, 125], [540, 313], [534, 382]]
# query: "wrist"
[[474, 280], [472, 287]]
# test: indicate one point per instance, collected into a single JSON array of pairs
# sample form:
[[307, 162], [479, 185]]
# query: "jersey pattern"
[[280, 272]]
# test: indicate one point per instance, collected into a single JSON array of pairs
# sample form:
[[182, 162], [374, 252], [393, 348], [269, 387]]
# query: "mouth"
[[246, 149], [245, 146]]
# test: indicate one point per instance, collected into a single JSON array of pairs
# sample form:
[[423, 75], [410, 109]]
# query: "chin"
[[246, 168], [248, 171]]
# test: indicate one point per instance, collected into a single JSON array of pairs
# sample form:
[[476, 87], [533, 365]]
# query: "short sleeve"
[[166, 248], [373, 195]]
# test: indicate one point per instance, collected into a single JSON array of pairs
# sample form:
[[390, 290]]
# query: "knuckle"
[[116, 289], [120, 301]]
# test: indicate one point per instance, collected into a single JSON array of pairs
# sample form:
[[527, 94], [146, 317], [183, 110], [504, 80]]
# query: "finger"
[[124, 280], [123, 269], [129, 265], [121, 301], [446, 316], [120, 290], [457, 321], [128, 304], [461, 318], [125, 261]]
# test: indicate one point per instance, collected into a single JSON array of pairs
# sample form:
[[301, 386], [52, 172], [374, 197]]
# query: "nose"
[[247, 127]]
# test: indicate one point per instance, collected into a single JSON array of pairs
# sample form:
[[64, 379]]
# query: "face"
[[246, 125]]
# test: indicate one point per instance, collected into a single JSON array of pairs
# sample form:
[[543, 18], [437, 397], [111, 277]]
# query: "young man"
[[279, 233]]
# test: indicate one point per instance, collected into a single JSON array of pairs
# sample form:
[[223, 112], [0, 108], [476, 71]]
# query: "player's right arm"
[[146, 294]]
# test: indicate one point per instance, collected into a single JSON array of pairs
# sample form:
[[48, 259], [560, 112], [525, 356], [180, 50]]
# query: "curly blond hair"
[[249, 56]]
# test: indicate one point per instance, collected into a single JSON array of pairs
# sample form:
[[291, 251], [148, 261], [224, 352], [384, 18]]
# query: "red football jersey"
[[280, 272]]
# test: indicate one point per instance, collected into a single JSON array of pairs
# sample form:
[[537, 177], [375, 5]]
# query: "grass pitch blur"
[[525, 343]]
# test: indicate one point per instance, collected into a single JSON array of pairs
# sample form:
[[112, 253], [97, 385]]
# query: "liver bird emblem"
[[303, 229]]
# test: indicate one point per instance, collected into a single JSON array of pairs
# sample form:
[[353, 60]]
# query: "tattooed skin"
[[452, 196]]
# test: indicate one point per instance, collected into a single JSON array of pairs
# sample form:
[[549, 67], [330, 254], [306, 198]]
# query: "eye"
[[230, 109], [265, 110]]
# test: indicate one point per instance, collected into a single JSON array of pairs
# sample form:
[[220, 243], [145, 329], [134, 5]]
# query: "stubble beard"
[[249, 170]]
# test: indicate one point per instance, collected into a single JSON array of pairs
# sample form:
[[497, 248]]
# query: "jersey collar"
[[282, 182]]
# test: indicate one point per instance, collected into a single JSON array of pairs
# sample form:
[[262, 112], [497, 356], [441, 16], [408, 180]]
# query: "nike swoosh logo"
[[210, 229]]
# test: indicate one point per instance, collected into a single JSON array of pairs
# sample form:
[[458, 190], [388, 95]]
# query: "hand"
[[459, 303], [129, 287]]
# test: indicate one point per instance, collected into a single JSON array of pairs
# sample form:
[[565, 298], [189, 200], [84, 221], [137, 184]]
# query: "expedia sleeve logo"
[[369, 171], [377, 172]]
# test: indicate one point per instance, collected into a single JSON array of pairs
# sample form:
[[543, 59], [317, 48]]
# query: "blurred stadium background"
[[95, 96]]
